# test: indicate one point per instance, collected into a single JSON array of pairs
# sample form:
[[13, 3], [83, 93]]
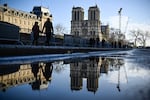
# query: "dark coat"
[[35, 30]]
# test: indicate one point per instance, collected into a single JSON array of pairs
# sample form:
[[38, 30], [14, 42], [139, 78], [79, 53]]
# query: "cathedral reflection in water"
[[90, 69], [39, 75]]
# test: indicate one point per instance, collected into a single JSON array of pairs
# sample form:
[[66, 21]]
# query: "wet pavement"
[[105, 75]]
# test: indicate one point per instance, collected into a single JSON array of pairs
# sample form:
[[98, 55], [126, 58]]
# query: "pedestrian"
[[48, 26], [47, 71], [103, 43], [35, 30], [97, 42]]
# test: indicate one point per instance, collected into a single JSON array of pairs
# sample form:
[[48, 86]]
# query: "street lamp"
[[119, 36], [119, 13]]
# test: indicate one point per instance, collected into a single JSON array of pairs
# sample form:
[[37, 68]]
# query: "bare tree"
[[60, 29], [143, 36], [114, 34], [135, 35], [140, 36]]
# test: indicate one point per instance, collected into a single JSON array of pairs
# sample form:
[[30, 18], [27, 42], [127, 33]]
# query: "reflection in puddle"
[[36, 74], [91, 69], [42, 73], [107, 78]]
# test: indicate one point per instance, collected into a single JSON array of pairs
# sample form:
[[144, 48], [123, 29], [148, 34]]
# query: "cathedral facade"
[[90, 28]]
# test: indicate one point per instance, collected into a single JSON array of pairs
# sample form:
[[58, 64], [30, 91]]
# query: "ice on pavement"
[[53, 57]]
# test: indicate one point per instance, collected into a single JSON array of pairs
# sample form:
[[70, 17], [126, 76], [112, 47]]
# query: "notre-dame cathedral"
[[90, 28]]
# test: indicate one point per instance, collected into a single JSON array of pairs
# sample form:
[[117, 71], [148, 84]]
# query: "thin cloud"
[[126, 23], [114, 22], [136, 26]]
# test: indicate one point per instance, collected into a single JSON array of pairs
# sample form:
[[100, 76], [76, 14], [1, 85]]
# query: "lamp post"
[[119, 36], [119, 13]]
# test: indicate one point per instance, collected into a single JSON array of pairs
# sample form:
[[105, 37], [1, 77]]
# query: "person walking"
[[48, 26], [35, 30]]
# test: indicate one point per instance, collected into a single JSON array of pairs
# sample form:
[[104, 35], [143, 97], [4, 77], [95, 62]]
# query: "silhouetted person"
[[35, 69], [47, 72], [103, 43], [48, 26], [93, 42], [119, 44], [115, 45], [35, 30], [90, 42], [112, 44], [97, 41]]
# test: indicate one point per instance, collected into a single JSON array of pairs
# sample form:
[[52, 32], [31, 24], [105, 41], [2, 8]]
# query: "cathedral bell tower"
[[76, 22], [94, 13], [94, 29], [89, 29]]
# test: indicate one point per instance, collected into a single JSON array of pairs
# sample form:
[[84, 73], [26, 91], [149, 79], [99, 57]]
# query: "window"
[[21, 14], [12, 12], [76, 33], [46, 14], [34, 17], [91, 32], [94, 33], [26, 16], [91, 14], [75, 15], [20, 21], [17, 14], [94, 15], [78, 15]]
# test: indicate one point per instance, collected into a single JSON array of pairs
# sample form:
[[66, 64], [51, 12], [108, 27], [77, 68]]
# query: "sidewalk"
[[23, 50]]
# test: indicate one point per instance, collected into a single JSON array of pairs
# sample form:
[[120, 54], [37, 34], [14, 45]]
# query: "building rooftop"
[[78, 8], [39, 10], [6, 7]]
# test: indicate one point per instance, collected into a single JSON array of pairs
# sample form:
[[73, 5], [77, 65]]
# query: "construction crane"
[[126, 26]]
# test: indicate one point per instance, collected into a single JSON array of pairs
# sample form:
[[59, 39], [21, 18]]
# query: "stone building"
[[24, 74], [25, 20], [90, 28], [105, 32]]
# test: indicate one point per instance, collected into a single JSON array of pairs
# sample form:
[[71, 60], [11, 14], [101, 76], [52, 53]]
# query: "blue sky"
[[136, 10]]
